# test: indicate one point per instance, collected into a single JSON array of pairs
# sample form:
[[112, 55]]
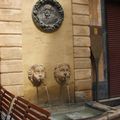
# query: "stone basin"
[[73, 112]]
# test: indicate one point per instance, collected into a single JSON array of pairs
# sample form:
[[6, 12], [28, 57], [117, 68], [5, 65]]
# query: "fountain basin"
[[74, 112], [113, 102]]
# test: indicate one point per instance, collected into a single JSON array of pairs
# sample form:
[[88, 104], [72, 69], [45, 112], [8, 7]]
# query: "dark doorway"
[[113, 33]]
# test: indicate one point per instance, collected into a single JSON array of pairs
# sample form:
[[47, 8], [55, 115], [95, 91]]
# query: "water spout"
[[68, 92], [37, 90], [47, 93]]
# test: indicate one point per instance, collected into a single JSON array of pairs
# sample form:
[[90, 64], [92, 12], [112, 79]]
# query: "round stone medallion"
[[47, 15]]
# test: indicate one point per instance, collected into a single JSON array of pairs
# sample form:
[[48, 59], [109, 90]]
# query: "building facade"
[[79, 42]]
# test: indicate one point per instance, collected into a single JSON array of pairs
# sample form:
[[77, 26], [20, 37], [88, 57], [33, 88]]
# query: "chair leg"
[[6, 118]]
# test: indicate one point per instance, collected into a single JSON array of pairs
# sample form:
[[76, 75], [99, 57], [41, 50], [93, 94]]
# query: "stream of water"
[[47, 93], [68, 92]]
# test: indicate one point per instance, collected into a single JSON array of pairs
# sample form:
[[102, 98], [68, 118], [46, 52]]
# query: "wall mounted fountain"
[[62, 75], [36, 75]]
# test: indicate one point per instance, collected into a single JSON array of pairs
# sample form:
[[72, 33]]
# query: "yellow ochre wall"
[[22, 45], [48, 49]]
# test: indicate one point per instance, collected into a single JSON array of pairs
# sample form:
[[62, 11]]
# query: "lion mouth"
[[65, 78]]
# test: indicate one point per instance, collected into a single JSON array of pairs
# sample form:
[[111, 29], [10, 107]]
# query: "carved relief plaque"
[[47, 15]]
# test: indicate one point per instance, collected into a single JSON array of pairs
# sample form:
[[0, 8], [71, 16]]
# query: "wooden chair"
[[36, 113], [19, 109], [6, 99], [1, 92], [1, 95]]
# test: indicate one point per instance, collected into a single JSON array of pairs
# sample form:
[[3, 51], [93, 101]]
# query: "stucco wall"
[[48, 49]]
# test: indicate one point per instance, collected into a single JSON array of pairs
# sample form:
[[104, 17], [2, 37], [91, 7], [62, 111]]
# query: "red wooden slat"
[[21, 104], [4, 110], [5, 101], [5, 105], [36, 113], [41, 110], [19, 109], [15, 117], [17, 113]]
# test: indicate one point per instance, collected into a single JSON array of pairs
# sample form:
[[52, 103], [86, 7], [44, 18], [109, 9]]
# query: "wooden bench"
[[18, 108], [6, 99], [36, 113]]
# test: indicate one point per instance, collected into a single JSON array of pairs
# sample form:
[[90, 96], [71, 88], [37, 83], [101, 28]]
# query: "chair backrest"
[[6, 99], [36, 113], [19, 109], [1, 92]]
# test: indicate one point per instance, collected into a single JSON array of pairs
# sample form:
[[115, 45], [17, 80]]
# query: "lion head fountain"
[[62, 73], [36, 75]]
